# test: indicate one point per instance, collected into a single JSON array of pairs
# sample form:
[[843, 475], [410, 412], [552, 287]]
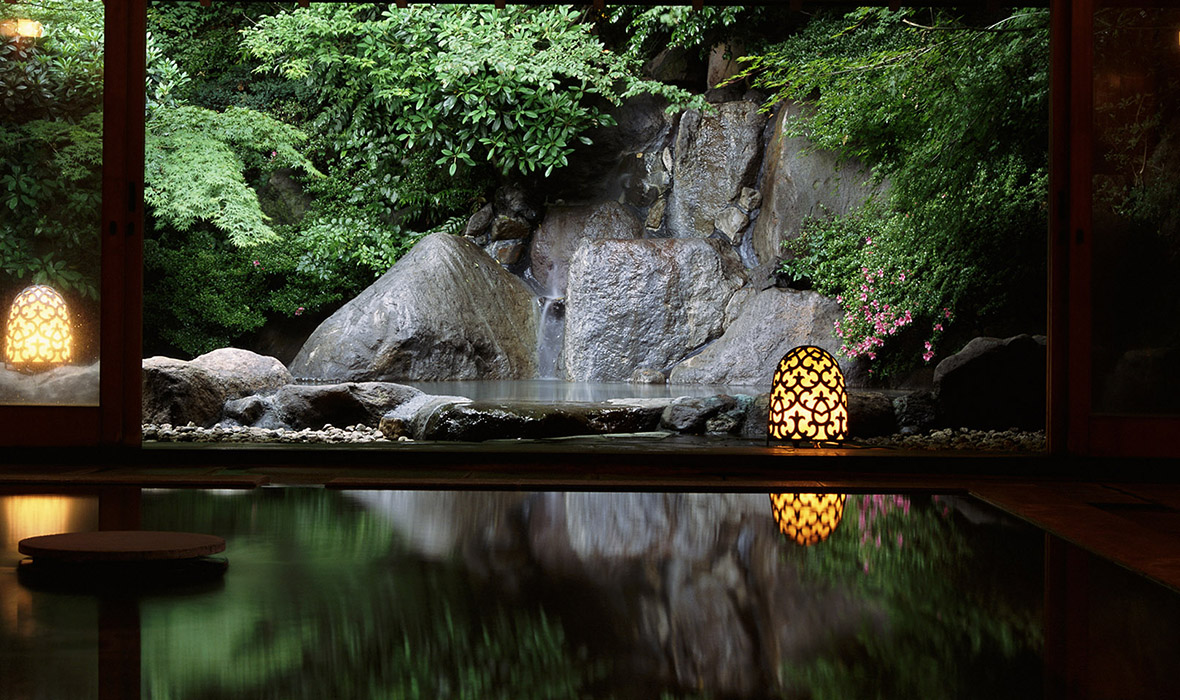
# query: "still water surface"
[[543, 595]]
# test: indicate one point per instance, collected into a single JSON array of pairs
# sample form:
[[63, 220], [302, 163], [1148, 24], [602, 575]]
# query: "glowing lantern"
[[807, 518], [807, 397], [26, 28], [38, 336]]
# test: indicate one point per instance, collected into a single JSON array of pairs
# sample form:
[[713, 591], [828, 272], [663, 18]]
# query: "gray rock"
[[644, 303], [445, 311], [416, 413], [770, 324], [870, 414], [757, 417], [723, 63], [282, 197], [915, 411], [716, 156], [645, 375], [247, 410], [242, 372], [515, 201], [655, 215], [564, 228], [622, 163], [483, 420], [993, 383], [688, 414], [179, 391], [510, 228], [801, 182], [479, 221], [731, 221], [669, 65], [750, 199], [297, 407], [507, 253]]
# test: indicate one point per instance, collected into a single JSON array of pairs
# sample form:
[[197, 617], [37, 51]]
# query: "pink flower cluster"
[[867, 321], [872, 510], [936, 330]]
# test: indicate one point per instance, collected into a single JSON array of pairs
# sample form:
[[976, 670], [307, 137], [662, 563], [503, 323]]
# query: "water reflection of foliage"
[[319, 603], [962, 617]]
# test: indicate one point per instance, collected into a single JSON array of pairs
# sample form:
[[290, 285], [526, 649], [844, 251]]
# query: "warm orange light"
[[807, 518], [807, 397], [38, 335], [27, 28], [32, 515]]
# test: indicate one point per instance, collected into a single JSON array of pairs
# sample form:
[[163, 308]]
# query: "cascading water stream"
[[550, 332]]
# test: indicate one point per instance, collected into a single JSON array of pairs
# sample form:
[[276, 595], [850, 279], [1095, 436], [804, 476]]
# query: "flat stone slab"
[[121, 545]]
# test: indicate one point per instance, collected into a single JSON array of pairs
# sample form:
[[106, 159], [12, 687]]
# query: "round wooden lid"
[[121, 545]]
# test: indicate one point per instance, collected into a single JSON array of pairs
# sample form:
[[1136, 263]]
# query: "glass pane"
[[1136, 269], [501, 210], [51, 87]]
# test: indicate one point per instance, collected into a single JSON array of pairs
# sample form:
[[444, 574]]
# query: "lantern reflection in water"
[[38, 335], [808, 400], [807, 518], [24, 516]]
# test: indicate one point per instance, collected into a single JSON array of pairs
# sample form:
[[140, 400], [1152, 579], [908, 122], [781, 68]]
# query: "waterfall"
[[550, 332]]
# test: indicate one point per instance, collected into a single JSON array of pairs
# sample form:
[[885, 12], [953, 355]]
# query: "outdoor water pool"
[[458, 594]]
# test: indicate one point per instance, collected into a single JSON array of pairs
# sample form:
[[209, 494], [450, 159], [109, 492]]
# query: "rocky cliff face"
[[651, 253]]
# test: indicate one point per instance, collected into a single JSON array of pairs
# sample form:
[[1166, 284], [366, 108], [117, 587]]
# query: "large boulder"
[[178, 391], [716, 155], [995, 383], [768, 325], [564, 227], [644, 304], [445, 311], [800, 182]]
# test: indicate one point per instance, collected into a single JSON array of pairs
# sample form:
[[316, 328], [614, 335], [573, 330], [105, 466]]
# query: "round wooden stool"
[[120, 560]]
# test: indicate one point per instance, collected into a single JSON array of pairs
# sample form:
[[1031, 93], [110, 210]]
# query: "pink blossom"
[[256, 263], [899, 539], [299, 311], [927, 356], [901, 277], [938, 326]]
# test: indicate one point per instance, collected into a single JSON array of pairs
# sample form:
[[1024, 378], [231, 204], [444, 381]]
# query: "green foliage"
[[195, 162], [514, 89], [51, 138], [206, 292], [651, 29], [954, 118]]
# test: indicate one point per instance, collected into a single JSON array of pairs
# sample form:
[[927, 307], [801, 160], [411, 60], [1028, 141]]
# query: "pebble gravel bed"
[[1012, 440], [240, 433]]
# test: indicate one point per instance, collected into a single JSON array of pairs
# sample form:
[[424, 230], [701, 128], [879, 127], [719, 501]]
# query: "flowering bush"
[[858, 259]]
